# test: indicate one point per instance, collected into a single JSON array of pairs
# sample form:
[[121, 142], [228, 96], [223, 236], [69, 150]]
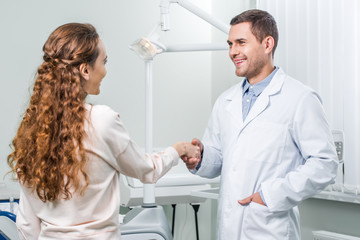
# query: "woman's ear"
[[84, 71]]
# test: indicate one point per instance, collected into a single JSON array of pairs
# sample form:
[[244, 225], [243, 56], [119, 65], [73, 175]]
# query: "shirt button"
[[251, 87], [248, 100]]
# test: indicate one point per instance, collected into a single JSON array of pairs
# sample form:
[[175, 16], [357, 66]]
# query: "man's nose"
[[233, 51]]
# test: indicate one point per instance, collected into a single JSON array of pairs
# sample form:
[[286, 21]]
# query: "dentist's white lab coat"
[[284, 147]]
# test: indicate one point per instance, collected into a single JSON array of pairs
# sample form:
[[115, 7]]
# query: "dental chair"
[[8, 230], [143, 223]]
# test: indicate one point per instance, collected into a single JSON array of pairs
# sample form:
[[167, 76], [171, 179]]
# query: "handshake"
[[190, 153]]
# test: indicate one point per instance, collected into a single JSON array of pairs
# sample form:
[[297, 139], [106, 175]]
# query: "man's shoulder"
[[297, 90], [293, 85], [231, 91]]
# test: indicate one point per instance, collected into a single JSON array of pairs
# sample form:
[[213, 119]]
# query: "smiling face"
[[94, 74], [252, 58]]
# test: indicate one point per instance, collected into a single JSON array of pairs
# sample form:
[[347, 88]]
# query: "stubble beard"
[[253, 70]]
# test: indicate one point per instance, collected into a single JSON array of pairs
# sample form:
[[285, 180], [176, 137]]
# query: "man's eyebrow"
[[240, 40], [236, 40]]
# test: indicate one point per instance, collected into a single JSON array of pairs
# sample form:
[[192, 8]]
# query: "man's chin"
[[239, 74]]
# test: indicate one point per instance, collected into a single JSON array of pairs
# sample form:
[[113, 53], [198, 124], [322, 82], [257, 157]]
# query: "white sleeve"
[[147, 168], [211, 162], [129, 159], [27, 222], [314, 140]]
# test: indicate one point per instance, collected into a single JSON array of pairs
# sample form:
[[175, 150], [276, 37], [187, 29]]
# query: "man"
[[268, 138]]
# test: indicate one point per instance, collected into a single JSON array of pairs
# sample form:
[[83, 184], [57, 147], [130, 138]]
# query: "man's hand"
[[198, 143], [252, 198], [192, 162]]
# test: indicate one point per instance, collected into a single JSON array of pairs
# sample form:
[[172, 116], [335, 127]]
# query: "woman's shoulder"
[[101, 110], [106, 124], [101, 114]]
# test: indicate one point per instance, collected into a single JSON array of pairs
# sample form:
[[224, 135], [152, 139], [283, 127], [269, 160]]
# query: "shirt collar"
[[260, 86]]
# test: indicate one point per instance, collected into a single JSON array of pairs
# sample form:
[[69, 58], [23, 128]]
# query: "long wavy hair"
[[48, 153]]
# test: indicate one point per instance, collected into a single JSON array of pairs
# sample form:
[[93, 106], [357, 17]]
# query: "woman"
[[68, 154]]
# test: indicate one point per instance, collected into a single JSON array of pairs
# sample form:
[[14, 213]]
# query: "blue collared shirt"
[[252, 92]]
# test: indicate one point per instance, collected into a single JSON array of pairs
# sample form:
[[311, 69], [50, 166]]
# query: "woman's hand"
[[189, 153]]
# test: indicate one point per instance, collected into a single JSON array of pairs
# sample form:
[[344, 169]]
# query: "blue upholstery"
[[9, 215]]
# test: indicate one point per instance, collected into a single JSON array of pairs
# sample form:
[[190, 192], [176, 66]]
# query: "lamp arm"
[[165, 15], [200, 13], [196, 47]]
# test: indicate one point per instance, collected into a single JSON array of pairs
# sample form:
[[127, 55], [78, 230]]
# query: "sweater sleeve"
[[127, 157]]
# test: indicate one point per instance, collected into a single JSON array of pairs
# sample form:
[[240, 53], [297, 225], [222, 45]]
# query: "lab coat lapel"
[[259, 106], [234, 105], [263, 100]]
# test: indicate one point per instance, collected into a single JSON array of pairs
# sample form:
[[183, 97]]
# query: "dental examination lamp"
[[147, 48]]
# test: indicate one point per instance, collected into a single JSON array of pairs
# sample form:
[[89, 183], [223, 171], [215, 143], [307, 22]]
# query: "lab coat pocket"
[[265, 141], [260, 223]]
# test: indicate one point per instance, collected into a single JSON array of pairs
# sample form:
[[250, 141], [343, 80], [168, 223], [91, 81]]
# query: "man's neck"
[[266, 71]]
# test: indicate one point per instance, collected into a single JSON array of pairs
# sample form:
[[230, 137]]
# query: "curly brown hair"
[[48, 153]]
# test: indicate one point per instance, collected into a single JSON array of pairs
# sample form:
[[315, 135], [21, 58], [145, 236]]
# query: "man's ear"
[[84, 71], [269, 44]]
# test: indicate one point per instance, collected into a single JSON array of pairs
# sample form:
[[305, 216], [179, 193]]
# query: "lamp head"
[[147, 49]]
